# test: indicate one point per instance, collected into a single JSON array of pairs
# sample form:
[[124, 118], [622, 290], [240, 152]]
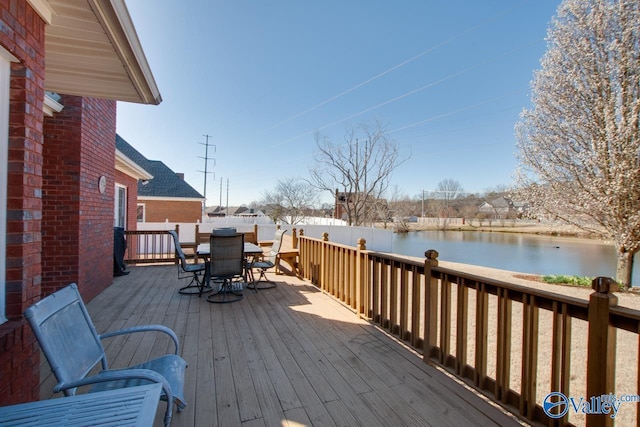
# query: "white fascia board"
[[51, 106], [171, 199], [129, 167], [43, 9]]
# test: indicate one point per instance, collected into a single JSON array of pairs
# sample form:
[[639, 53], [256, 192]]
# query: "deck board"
[[290, 355]]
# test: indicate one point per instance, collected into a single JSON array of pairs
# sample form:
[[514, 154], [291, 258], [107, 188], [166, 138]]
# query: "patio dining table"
[[133, 406], [250, 250]]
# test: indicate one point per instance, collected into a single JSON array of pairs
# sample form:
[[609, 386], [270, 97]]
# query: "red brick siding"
[[60, 198], [77, 218], [178, 211], [22, 34], [97, 209]]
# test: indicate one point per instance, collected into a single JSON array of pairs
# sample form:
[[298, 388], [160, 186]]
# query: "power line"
[[402, 64], [412, 92]]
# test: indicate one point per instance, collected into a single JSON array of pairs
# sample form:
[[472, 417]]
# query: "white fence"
[[376, 239]]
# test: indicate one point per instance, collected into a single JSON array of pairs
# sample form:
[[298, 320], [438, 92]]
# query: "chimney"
[[180, 175]]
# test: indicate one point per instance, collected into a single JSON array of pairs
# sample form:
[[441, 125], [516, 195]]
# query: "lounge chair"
[[266, 262], [71, 345], [226, 265], [196, 271]]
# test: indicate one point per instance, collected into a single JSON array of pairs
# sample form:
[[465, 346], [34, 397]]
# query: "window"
[[140, 212], [5, 75], [120, 217]]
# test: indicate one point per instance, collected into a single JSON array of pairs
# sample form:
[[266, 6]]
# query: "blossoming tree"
[[579, 144]]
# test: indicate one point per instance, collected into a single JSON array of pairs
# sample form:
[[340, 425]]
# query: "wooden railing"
[[156, 246], [146, 247], [514, 343]]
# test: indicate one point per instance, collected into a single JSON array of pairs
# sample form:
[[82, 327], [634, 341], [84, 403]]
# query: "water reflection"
[[535, 254]]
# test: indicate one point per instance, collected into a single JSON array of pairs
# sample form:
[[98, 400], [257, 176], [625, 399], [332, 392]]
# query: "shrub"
[[568, 280]]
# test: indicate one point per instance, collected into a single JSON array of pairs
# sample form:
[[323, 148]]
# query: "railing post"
[[431, 306], [301, 256], [361, 284], [324, 259], [294, 238], [601, 356], [176, 260]]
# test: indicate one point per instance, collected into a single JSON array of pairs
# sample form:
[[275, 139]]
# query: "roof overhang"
[[92, 49], [131, 168], [51, 106], [171, 199]]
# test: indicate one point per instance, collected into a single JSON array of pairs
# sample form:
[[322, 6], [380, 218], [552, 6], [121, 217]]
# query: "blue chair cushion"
[[171, 367]]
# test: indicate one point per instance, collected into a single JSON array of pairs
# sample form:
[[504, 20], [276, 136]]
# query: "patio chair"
[[267, 262], [196, 271], [226, 265], [71, 345]]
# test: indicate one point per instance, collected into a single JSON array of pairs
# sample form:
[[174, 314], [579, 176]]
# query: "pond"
[[526, 253]]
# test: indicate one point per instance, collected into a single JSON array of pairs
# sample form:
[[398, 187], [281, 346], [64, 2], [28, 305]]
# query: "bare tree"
[[294, 199], [358, 170], [579, 145], [447, 191], [402, 207]]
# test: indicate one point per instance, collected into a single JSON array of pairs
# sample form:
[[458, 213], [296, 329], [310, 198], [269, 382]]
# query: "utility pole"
[[227, 196], [220, 205], [206, 165]]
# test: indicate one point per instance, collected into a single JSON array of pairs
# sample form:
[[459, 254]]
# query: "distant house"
[[373, 208], [219, 211], [501, 208], [164, 196]]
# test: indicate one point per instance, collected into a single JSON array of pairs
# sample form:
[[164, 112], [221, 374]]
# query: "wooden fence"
[[487, 332]]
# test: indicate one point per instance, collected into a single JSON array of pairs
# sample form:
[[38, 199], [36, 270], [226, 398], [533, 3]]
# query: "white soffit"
[[92, 49]]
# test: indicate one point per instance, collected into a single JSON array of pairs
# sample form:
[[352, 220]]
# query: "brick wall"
[[22, 34], [60, 197], [77, 218], [178, 211], [97, 209]]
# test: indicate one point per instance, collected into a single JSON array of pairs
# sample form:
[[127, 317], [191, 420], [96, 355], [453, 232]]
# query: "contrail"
[[395, 67]]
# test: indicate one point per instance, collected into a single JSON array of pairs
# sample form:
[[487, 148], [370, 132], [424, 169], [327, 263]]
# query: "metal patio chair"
[[71, 345], [227, 266], [267, 262], [196, 271]]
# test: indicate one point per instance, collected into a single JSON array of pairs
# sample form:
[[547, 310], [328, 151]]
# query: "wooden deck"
[[287, 356]]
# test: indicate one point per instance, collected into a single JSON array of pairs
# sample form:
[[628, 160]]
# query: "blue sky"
[[447, 78]]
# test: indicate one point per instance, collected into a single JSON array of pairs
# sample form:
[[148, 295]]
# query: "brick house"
[[57, 157], [164, 195]]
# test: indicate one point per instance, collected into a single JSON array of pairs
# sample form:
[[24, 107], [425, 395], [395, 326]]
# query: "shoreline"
[[559, 230]]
